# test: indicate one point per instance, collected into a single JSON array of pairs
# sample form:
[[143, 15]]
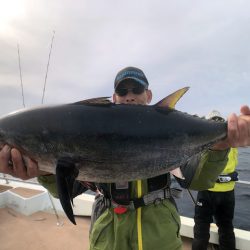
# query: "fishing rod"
[[45, 81], [44, 87], [191, 196], [20, 72], [59, 223], [47, 69], [21, 80]]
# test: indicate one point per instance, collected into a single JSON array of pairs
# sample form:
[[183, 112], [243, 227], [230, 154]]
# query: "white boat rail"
[[243, 182]]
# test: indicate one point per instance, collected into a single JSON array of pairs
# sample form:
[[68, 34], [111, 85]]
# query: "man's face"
[[131, 92]]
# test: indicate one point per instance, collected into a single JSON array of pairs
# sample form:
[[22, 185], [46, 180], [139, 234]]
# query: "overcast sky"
[[201, 44]]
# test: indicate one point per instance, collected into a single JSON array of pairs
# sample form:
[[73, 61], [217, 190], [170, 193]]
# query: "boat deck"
[[28, 221], [40, 231]]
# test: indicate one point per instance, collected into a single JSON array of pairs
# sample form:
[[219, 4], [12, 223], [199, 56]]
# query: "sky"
[[201, 44]]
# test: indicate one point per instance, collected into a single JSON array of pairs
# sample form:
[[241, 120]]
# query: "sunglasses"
[[136, 90]]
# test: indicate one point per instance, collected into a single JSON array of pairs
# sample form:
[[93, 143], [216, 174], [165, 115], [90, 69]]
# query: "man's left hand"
[[238, 134]]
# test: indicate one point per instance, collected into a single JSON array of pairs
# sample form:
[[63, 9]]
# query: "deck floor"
[[40, 231]]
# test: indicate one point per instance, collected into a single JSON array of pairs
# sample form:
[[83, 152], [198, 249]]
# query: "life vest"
[[122, 193], [126, 194], [226, 180]]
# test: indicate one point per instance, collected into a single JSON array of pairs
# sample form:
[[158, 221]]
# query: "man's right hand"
[[18, 168]]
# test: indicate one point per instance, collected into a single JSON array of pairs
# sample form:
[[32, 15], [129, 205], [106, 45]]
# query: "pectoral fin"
[[66, 174]]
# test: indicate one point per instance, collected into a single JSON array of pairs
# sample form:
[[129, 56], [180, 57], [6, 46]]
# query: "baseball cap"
[[132, 73]]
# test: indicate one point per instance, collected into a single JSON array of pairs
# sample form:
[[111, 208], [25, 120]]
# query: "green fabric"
[[160, 229], [211, 165], [49, 182], [160, 223]]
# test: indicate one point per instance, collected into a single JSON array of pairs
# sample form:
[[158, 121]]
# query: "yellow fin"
[[172, 99]]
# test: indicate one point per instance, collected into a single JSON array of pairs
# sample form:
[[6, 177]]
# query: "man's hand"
[[12, 163], [238, 134]]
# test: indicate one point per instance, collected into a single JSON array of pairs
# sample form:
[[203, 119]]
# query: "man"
[[217, 202], [152, 222]]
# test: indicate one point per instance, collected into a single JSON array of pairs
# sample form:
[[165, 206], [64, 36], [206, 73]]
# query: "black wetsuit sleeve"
[[202, 170], [188, 170]]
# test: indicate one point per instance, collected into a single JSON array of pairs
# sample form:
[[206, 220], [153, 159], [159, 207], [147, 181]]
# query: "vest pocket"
[[100, 232]]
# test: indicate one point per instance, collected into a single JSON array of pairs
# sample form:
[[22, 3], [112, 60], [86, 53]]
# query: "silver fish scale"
[[109, 143]]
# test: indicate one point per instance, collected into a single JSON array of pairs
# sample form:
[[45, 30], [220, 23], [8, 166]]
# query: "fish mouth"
[[66, 174]]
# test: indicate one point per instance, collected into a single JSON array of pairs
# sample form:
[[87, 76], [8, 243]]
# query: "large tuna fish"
[[105, 142]]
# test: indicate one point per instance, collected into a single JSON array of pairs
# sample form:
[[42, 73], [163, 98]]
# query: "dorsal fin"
[[95, 101], [172, 99]]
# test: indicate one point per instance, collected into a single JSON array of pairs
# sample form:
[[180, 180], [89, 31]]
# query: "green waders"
[[160, 229], [159, 224]]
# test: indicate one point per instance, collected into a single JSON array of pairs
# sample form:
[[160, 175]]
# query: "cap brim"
[[132, 78]]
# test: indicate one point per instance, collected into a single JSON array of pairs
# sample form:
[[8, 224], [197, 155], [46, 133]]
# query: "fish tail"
[[66, 174]]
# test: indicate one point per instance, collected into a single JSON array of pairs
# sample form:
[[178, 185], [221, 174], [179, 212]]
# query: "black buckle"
[[138, 202]]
